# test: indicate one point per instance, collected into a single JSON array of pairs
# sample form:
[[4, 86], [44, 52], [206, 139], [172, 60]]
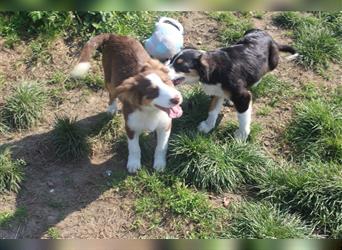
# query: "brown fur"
[[125, 63]]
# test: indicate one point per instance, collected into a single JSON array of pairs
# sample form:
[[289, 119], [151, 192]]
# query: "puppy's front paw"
[[133, 166], [204, 127], [159, 164], [241, 135]]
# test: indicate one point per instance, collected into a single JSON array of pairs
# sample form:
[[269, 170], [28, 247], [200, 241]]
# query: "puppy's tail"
[[287, 48], [81, 69]]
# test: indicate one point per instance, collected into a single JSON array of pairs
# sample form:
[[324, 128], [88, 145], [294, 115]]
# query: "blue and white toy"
[[166, 40]]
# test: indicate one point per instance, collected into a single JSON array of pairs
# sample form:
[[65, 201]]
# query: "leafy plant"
[[11, 171], [24, 107]]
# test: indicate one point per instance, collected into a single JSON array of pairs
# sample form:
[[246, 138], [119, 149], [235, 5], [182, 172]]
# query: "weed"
[[39, 52], [69, 139], [263, 220], [24, 107], [235, 27], [291, 19], [53, 233], [316, 130], [11, 171]]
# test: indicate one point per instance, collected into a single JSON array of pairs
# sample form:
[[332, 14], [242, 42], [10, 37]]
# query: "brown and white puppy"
[[227, 73], [149, 98]]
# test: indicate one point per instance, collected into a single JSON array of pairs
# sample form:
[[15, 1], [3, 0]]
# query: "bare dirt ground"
[[74, 197]]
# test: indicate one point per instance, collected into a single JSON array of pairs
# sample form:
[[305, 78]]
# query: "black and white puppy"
[[227, 73]]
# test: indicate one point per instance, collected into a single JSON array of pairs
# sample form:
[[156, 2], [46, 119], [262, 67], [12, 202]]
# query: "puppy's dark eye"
[[151, 92]]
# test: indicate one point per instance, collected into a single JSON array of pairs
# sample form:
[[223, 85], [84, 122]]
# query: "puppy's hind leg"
[[112, 105], [214, 110]]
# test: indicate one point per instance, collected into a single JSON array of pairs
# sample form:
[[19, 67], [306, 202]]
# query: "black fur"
[[236, 67]]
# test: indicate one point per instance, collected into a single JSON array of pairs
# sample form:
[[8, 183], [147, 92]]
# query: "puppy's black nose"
[[175, 100]]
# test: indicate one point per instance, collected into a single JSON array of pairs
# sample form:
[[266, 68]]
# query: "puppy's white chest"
[[146, 120], [213, 89]]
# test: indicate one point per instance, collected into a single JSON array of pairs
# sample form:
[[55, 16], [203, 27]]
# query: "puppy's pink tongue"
[[175, 112]]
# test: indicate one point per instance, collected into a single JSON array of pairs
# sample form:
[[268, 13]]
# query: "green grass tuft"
[[273, 88], [8, 217], [69, 139], [313, 190], [316, 130], [210, 165], [234, 27], [162, 199], [11, 171], [264, 221], [317, 46], [53, 233], [195, 109], [291, 19], [24, 107]]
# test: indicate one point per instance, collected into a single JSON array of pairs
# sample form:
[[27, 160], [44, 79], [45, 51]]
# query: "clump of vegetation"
[[272, 87], [317, 38], [264, 221], [192, 115], [9, 217], [24, 107], [161, 199], [210, 165], [11, 171], [53, 233], [48, 24], [234, 27], [316, 130], [69, 139], [317, 46], [313, 190]]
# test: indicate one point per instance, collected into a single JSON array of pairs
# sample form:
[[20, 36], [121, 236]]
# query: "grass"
[[264, 110], [6, 218], [314, 190], [273, 88], [11, 171], [24, 108], [317, 38], [317, 46], [254, 220], [69, 139], [234, 26], [213, 166], [192, 115], [53, 233], [162, 199], [316, 130]]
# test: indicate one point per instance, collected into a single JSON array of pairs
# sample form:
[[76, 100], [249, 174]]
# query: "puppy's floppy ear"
[[205, 67], [125, 86]]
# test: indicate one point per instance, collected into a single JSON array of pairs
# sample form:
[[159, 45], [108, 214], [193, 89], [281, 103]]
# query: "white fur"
[[134, 154], [245, 119], [80, 70], [292, 57], [256, 84], [166, 93], [112, 108], [148, 119], [209, 124], [160, 153]]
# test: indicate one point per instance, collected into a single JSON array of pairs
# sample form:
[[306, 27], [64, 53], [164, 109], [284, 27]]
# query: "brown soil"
[[73, 197]]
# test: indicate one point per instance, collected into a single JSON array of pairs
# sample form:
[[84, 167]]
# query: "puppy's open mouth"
[[174, 112], [178, 80]]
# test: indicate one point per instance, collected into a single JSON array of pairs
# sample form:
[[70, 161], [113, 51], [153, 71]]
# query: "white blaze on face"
[[166, 93]]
